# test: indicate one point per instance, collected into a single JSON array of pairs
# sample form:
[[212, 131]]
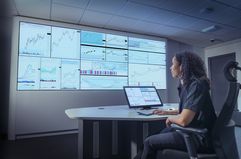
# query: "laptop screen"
[[142, 96]]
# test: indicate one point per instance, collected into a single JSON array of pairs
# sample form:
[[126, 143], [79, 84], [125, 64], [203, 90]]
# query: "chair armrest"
[[186, 134], [189, 130]]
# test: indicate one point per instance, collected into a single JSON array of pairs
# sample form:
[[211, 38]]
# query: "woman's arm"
[[182, 119], [165, 112]]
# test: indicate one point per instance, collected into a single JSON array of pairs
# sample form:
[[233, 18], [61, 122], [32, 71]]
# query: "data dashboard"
[[59, 58]]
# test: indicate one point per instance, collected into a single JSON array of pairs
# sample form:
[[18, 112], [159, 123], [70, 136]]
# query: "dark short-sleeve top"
[[196, 97]]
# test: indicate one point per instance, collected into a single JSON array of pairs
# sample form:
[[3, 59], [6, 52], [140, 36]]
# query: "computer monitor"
[[142, 96]]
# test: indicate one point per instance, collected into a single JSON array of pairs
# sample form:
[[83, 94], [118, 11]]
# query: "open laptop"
[[144, 97]]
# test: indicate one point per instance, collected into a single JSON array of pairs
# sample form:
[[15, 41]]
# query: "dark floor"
[[52, 147]]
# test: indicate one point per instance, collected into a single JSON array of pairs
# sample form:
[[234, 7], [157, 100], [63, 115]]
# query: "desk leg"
[[133, 149], [134, 139], [80, 140], [145, 132], [145, 128], [96, 139], [114, 137]]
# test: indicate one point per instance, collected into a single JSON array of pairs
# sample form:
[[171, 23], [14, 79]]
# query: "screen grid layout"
[[58, 58]]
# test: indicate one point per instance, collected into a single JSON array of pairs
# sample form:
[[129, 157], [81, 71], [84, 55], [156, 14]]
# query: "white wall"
[[199, 51], [225, 48]]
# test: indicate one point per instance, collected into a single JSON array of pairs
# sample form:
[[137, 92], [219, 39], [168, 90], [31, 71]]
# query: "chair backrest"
[[228, 107], [222, 128]]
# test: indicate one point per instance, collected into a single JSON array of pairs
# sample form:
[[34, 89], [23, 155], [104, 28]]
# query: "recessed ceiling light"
[[211, 28]]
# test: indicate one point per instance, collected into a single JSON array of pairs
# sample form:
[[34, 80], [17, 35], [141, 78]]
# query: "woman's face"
[[175, 68]]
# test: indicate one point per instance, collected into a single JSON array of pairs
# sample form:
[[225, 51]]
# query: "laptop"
[[144, 97]]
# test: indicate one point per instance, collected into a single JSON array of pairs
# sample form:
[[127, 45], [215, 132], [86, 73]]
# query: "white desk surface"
[[117, 112]]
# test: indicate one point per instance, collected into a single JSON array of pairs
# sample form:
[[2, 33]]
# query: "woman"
[[195, 107]]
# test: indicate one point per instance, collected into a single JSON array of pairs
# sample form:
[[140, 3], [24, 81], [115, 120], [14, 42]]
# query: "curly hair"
[[192, 65]]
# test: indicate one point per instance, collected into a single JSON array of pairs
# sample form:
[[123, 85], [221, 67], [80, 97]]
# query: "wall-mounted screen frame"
[[92, 60]]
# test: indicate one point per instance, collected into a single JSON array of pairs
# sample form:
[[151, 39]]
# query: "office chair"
[[223, 137]]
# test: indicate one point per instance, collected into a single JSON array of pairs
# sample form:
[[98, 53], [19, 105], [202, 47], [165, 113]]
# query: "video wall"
[[58, 58]]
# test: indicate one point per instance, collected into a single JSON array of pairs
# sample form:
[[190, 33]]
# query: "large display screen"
[[58, 58]]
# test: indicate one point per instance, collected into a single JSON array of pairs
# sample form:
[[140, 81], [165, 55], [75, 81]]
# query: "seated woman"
[[195, 107]]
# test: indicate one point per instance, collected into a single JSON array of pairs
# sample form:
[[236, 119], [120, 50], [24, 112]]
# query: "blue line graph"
[[159, 59], [65, 43], [50, 73], [117, 55], [103, 82], [92, 53], [103, 68], [147, 45], [147, 75], [34, 40], [138, 57], [70, 74], [28, 73], [116, 41]]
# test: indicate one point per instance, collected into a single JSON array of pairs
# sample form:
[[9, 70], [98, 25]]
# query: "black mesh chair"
[[223, 136]]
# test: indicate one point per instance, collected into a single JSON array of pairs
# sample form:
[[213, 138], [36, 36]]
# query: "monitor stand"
[[147, 108]]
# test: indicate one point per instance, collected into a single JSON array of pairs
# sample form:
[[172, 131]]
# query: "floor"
[[54, 147]]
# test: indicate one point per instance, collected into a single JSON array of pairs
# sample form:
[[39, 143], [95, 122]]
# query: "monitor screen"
[[142, 96]]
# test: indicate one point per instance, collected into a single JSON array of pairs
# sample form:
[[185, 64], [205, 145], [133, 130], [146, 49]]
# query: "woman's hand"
[[168, 122], [160, 112]]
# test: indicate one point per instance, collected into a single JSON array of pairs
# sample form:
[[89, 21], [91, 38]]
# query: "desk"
[[113, 113]]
